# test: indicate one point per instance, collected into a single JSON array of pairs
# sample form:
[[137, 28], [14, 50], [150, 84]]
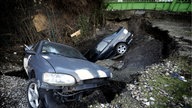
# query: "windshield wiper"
[[64, 55], [52, 53]]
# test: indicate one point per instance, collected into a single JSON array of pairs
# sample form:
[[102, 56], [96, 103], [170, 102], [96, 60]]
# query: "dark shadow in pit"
[[119, 20], [114, 88], [102, 95], [142, 26], [143, 52], [21, 74], [169, 44]]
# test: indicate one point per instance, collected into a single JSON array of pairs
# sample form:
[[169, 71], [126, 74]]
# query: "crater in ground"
[[146, 49]]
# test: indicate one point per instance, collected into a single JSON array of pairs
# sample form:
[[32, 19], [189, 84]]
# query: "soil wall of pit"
[[150, 45]]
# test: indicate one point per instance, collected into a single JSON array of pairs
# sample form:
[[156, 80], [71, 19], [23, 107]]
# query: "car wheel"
[[121, 48], [33, 94]]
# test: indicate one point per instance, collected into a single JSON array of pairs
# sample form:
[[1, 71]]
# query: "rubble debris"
[[40, 22], [77, 33], [111, 64], [176, 75], [144, 90], [13, 92]]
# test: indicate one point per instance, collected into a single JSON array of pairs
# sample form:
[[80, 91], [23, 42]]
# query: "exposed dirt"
[[181, 32], [150, 45], [144, 51]]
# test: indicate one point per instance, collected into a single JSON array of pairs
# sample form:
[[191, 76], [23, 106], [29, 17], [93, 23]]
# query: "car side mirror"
[[26, 47], [31, 52]]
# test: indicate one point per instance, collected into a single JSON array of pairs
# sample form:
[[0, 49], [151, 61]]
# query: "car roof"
[[110, 37]]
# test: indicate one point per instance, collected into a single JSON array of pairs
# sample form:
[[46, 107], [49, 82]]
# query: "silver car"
[[114, 44], [59, 73]]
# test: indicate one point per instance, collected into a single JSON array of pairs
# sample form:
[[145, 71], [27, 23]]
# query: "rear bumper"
[[129, 39]]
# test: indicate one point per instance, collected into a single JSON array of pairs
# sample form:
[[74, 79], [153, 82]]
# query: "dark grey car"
[[116, 43], [59, 73]]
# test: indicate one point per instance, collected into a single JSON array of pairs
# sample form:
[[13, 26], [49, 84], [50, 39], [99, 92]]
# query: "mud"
[[150, 45]]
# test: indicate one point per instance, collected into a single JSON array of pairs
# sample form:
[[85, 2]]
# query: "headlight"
[[58, 79]]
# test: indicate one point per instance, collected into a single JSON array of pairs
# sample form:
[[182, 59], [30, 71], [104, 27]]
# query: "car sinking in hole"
[[112, 45], [59, 73]]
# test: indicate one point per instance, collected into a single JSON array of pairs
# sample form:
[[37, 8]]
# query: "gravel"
[[10, 67], [12, 92], [144, 90], [144, 53]]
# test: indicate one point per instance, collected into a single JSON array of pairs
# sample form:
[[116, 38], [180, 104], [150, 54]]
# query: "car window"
[[101, 46], [59, 49], [111, 37]]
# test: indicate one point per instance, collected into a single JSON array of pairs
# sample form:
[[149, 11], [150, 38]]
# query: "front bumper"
[[70, 93]]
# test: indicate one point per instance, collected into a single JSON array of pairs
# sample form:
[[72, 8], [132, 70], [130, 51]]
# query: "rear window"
[[101, 46]]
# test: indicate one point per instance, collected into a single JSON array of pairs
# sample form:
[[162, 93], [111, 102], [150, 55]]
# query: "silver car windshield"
[[63, 50]]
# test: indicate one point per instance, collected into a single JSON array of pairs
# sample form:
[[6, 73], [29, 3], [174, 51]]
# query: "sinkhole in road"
[[150, 45]]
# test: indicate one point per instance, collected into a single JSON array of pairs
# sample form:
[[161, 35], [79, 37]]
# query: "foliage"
[[88, 24], [99, 15], [83, 24], [62, 18]]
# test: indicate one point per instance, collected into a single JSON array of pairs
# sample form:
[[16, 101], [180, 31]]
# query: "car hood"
[[78, 68]]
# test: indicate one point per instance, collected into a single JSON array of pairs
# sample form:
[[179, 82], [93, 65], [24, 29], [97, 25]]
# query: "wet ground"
[[140, 55], [145, 50]]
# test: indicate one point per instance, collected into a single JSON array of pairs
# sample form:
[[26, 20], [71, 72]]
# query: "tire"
[[33, 97], [121, 48]]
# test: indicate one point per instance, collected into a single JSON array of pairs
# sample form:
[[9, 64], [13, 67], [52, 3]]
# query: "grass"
[[169, 91]]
